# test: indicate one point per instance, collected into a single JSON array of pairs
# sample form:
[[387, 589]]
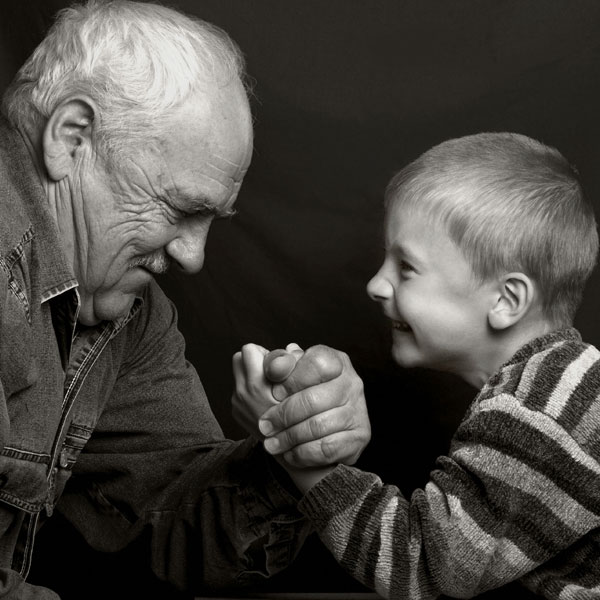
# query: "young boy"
[[489, 243]]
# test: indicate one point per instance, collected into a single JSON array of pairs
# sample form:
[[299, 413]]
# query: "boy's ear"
[[68, 128], [515, 297]]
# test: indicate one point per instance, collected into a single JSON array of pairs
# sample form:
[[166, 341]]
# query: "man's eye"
[[404, 266], [174, 210], [196, 212], [184, 214]]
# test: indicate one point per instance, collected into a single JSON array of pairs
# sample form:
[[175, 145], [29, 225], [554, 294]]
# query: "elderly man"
[[126, 133]]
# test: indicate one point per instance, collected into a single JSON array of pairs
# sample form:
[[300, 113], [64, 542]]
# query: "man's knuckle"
[[326, 362], [285, 439], [296, 457], [307, 402], [305, 454], [356, 389], [363, 435], [285, 415], [329, 449], [330, 422], [316, 428]]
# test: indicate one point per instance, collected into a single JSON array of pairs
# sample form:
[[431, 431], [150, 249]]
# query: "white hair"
[[136, 60]]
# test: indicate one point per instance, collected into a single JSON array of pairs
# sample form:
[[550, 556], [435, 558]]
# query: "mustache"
[[156, 263]]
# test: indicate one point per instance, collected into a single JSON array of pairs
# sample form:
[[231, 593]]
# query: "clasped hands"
[[307, 406]]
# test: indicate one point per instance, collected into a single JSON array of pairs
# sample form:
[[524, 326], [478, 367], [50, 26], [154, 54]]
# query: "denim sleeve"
[[223, 523], [13, 586], [215, 513]]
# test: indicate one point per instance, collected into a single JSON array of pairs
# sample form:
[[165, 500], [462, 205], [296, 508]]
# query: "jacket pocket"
[[23, 479], [15, 265]]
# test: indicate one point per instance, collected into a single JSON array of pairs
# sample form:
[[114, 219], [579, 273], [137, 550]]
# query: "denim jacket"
[[110, 425]]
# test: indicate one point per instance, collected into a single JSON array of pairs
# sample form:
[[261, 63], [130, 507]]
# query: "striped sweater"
[[517, 497]]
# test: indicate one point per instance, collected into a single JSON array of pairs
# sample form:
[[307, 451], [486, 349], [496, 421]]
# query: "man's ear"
[[516, 294], [68, 128]]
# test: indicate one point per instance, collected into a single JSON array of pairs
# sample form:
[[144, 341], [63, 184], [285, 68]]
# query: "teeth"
[[400, 325]]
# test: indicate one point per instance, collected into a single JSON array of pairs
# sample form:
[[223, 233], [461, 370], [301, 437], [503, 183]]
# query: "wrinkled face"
[[426, 287], [157, 210]]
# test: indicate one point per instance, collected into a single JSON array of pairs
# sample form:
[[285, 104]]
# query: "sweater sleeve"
[[515, 491]]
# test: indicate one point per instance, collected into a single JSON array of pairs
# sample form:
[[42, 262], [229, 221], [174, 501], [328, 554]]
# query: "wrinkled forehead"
[[207, 148], [229, 140], [229, 123]]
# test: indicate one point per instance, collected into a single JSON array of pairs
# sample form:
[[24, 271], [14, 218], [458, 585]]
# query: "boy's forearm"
[[306, 478]]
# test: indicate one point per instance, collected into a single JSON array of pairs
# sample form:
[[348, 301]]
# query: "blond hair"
[[510, 203]]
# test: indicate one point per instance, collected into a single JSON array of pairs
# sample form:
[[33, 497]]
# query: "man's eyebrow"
[[221, 213], [196, 203], [206, 206]]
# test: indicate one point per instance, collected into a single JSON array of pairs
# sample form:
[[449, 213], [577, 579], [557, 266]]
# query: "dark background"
[[345, 93]]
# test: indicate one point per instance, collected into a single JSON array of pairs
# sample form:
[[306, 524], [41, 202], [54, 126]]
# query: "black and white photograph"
[[299, 299]]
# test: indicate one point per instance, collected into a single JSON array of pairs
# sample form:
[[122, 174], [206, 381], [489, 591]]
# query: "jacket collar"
[[30, 205]]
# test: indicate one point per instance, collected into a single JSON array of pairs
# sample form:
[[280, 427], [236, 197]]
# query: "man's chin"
[[108, 307]]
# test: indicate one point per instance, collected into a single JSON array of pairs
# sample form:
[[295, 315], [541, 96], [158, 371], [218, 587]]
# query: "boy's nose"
[[379, 288]]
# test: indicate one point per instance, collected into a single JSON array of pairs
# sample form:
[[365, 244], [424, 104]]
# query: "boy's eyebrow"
[[399, 251]]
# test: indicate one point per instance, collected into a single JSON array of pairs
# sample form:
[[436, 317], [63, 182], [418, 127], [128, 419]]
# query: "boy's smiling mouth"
[[400, 326]]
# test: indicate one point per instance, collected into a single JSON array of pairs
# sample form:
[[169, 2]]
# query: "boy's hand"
[[252, 394], [254, 368], [322, 418]]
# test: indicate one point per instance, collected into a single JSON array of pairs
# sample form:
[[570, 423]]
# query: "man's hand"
[[322, 417], [279, 364]]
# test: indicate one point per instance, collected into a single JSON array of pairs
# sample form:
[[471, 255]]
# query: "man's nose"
[[187, 248], [380, 288]]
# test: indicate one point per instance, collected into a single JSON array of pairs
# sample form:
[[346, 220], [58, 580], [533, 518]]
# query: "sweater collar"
[[539, 344]]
